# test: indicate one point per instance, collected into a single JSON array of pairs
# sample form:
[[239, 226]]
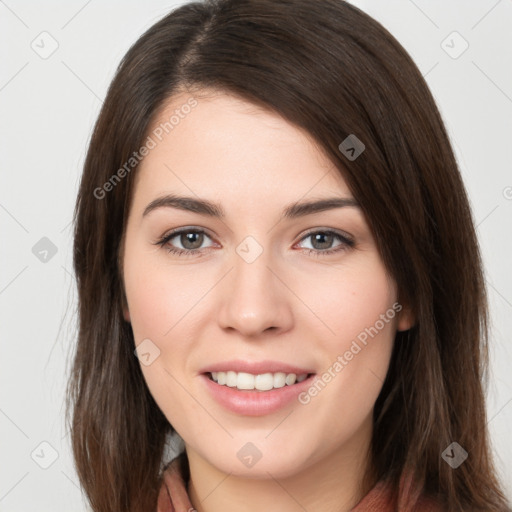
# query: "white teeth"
[[245, 381], [231, 379], [279, 380], [261, 382], [290, 379]]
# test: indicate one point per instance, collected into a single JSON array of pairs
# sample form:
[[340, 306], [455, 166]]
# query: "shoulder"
[[173, 494]]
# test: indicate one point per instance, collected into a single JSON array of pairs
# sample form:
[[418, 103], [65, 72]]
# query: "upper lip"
[[255, 367]]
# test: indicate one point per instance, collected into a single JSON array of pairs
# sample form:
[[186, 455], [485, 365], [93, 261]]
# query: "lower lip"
[[252, 402]]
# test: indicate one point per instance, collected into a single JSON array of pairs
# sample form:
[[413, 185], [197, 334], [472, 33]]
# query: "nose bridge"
[[254, 300]]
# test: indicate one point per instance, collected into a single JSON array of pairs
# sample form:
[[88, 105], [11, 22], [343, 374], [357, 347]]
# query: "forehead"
[[214, 143]]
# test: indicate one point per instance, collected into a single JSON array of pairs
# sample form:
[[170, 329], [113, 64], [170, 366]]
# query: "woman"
[[345, 374]]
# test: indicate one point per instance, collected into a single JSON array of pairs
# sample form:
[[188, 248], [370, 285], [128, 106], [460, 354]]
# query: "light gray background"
[[47, 110]]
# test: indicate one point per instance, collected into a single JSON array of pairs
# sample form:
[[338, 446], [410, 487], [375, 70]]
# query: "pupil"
[[323, 235], [189, 238]]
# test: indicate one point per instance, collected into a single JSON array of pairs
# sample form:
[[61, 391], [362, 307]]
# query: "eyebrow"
[[212, 209]]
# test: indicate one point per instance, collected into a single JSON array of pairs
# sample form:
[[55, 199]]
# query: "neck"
[[333, 483]]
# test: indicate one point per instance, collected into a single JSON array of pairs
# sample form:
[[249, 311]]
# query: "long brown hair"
[[332, 70]]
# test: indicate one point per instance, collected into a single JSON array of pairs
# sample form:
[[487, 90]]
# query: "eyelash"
[[346, 242]]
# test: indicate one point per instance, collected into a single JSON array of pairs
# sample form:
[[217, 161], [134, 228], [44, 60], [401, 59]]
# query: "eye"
[[322, 241], [190, 239]]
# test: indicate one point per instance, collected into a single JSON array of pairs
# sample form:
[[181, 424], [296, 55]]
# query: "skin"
[[287, 305]]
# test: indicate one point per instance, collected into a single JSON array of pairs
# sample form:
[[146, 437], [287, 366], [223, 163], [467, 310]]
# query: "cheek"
[[346, 300], [358, 310], [161, 305], [165, 303], [160, 298]]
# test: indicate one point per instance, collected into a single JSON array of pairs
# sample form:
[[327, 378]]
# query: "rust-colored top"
[[174, 497]]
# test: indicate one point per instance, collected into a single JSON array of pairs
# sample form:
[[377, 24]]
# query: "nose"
[[255, 298]]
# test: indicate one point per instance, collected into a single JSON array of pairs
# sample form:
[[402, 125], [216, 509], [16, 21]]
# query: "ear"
[[406, 319]]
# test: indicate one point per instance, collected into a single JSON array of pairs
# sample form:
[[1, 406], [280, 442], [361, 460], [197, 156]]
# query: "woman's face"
[[258, 281]]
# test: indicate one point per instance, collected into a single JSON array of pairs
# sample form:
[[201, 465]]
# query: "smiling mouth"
[[242, 381]]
